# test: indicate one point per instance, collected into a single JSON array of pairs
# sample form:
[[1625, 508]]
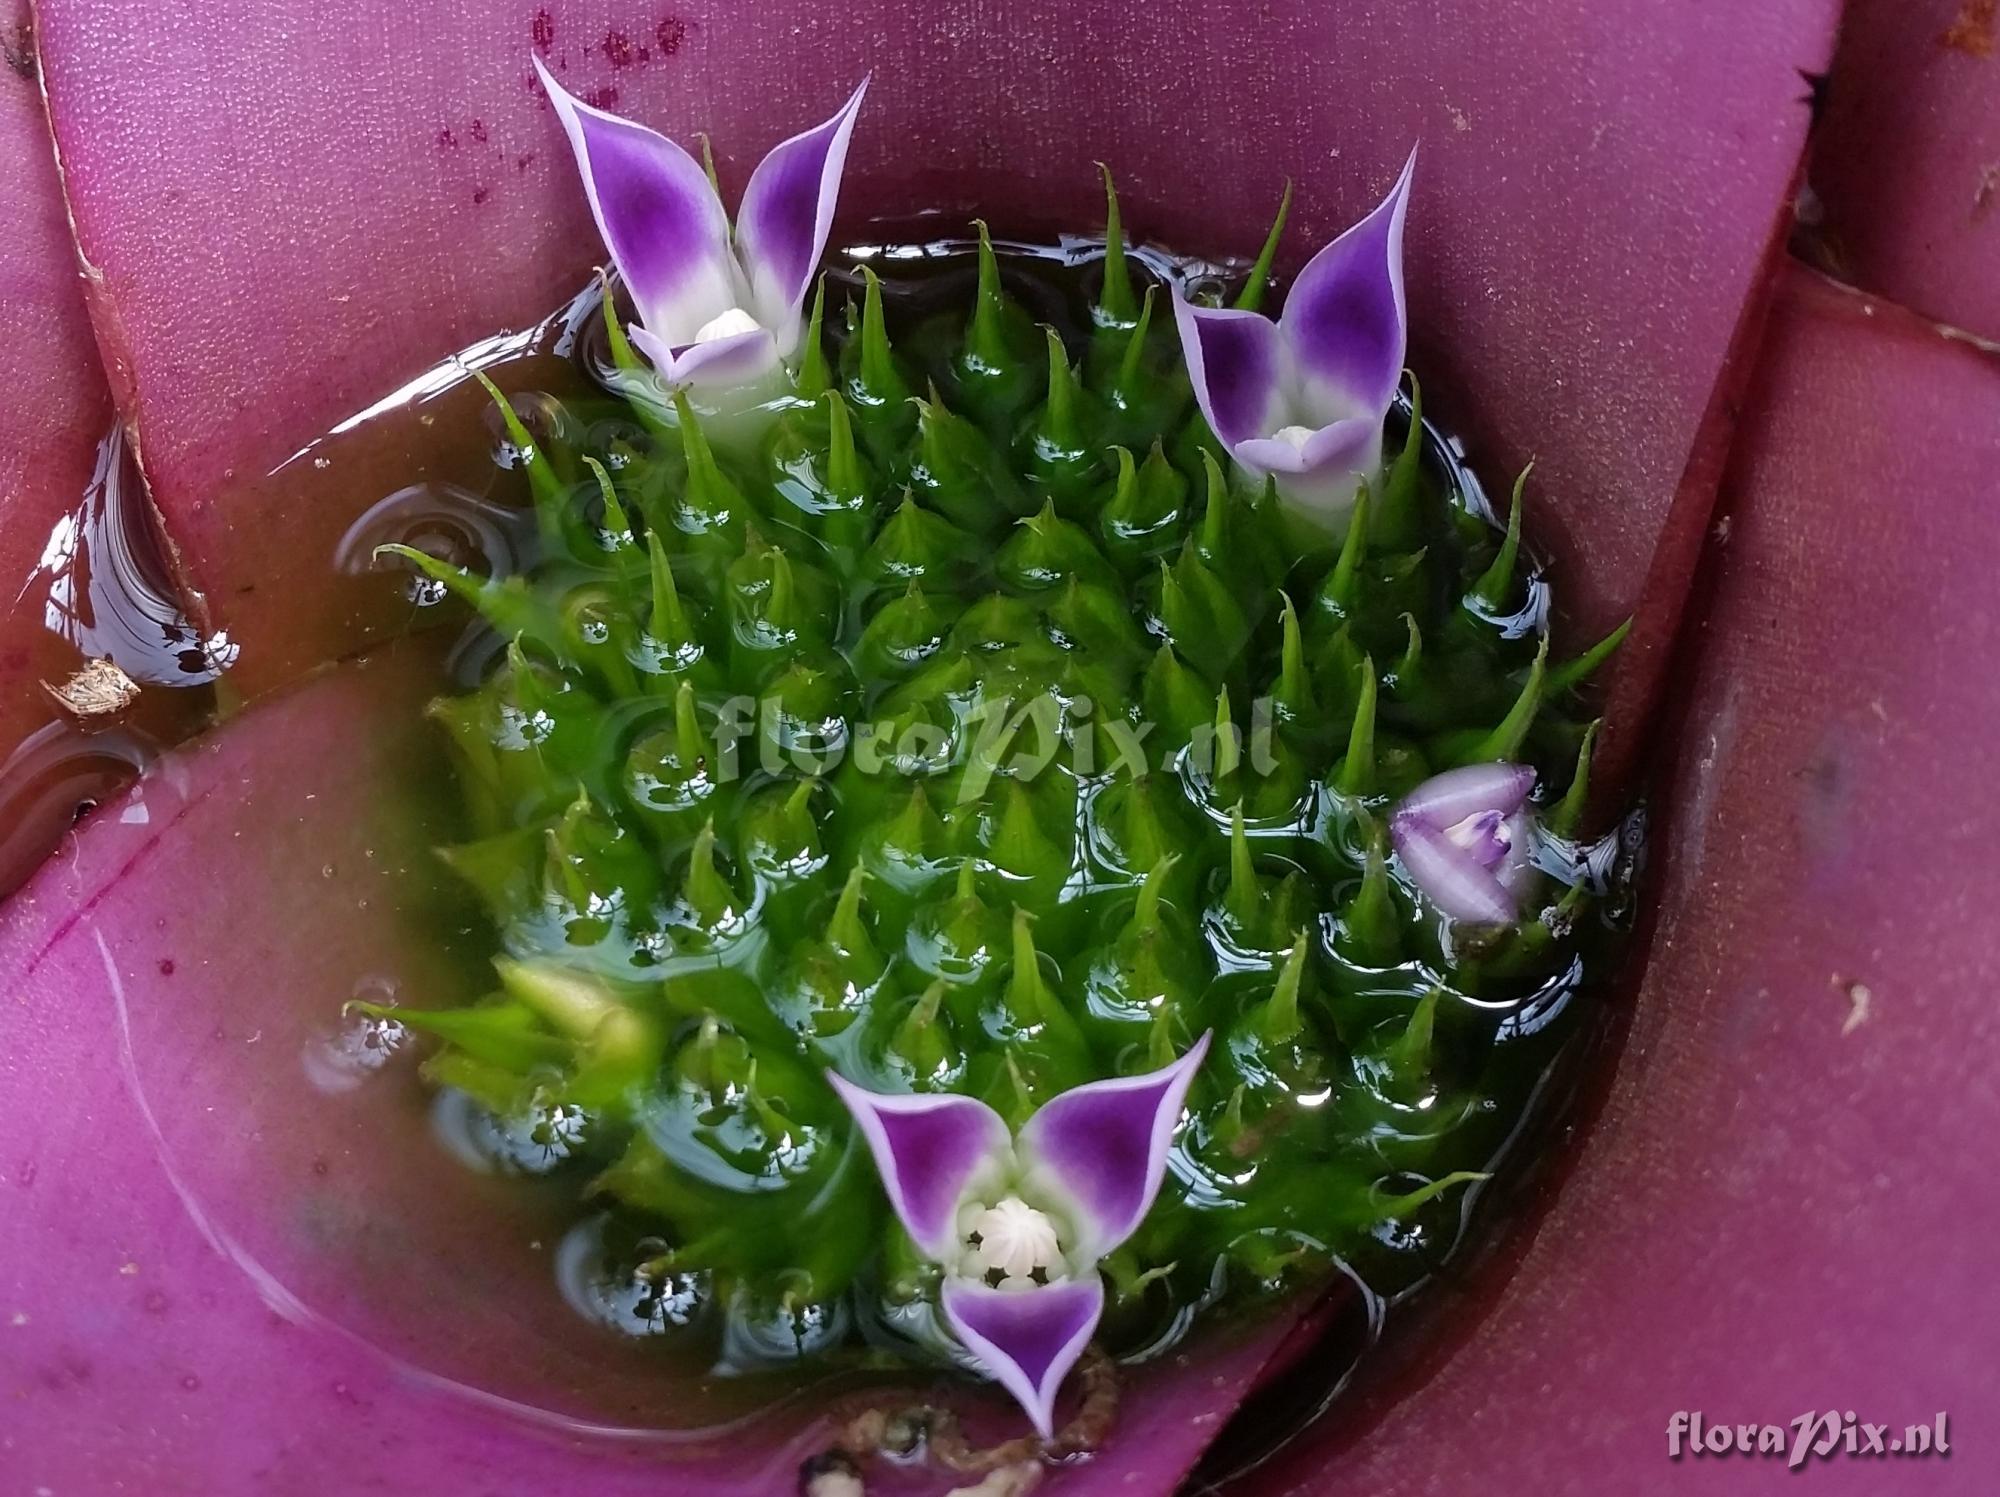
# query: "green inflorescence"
[[968, 728]]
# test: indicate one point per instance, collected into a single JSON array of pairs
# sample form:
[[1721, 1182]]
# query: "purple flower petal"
[[1458, 793], [1028, 1339], [1320, 476], [735, 360], [1237, 362], [1485, 834], [659, 216], [1451, 876], [1517, 872], [929, 1150], [787, 212], [1102, 1148], [1345, 321]]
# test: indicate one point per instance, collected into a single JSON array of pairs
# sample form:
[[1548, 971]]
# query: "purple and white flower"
[[1303, 399], [1466, 837], [1018, 1222], [715, 309]]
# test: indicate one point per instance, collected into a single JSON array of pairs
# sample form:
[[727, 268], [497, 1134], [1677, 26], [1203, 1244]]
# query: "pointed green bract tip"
[[1493, 587], [1146, 908], [616, 525], [694, 443], [843, 462], [1357, 770], [668, 623], [1371, 926], [1135, 345], [1413, 652], [1409, 1054], [874, 325], [517, 430], [622, 355], [1059, 414], [987, 335], [1028, 993], [688, 739], [708, 163], [1568, 815], [1228, 746], [1504, 742], [916, 829], [1251, 297], [1244, 897], [815, 376], [1293, 690], [1400, 524], [506, 603], [1343, 587], [1395, 1207], [1573, 673], [1281, 1021], [1115, 306], [1128, 475], [707, 892]]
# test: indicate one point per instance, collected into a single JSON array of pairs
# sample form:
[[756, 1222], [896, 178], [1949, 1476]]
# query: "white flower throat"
[[1009, 1244]]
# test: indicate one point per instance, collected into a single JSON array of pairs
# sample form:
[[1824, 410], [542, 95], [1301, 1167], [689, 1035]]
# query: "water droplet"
[[624, 1289], [440, 519], [359, 1046], [536, 1142]]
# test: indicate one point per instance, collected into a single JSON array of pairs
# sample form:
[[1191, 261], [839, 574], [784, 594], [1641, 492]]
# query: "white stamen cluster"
[[726, 325], [1009, 1244], [1296, 436]]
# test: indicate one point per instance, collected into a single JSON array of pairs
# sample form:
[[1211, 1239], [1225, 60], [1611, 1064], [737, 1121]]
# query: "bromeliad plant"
[[933, 766]]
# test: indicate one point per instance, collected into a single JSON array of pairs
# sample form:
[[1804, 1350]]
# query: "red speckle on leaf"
[[479, 131], [191, 1383], [670, 33], [544, 32], [166, 966], [480, 194], [25, 1175], [447, 139], [320, 1166], [521, 161], [618, 49], [18, 49], [155, 1303], [605, 97]]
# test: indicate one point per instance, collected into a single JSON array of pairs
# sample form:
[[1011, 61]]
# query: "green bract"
[[961, 724]]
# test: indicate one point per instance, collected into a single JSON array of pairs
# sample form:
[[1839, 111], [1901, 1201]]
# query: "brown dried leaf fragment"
[[100, 689]]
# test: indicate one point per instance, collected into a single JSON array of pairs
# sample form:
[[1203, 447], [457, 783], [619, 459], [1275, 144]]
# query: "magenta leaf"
[[459, 218], [1816, 1013], [1906, 162]]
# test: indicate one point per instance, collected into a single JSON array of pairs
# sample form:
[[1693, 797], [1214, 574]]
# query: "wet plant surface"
[[955, 722]]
